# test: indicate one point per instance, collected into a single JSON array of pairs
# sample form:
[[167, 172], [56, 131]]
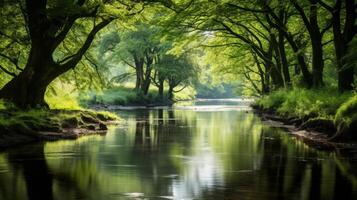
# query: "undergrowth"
[[297, 102], [128, 96]]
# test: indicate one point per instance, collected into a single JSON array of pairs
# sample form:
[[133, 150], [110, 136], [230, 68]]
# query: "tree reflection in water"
[[179, 154], [32, 162]]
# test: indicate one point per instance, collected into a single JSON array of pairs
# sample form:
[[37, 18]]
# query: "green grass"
[[347, 113], [128, 96], [37, 119], [6, 105], [322, 103]]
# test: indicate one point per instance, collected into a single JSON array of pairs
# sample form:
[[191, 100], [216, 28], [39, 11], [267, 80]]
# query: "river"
[[195, 150]]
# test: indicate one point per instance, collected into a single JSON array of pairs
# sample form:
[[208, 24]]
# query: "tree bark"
[[139, 71], [316, 43], [341, 41], [276, 69], [29, 87], [279, 24], [311, 24], [284, 60], [147, 76]]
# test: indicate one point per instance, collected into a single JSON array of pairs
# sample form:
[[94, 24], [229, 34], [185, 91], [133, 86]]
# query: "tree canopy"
[[261, 45]]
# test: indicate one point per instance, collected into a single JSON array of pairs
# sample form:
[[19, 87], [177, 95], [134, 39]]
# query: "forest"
[[178, 99], [295, 58]]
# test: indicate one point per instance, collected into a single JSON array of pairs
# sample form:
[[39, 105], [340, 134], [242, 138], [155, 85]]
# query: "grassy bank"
[[317, 108], [24, 126], [128, 96]]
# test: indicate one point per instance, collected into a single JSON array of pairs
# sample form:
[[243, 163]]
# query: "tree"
[[48, 24], [316, 35], [177, 71], [344, 28], [138, 49]]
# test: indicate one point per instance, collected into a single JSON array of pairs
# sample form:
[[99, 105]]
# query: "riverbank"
[[21, 127], [125, 96], [322, 117], [315, 136]]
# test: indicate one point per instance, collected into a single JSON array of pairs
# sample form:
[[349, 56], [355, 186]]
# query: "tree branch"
[[78, 56], [326, 6], [246, 9], [7, 71], [175, 91], [302, 14], [13, 61]]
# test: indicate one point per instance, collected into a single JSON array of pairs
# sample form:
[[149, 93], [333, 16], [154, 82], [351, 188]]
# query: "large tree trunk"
[[29, 87], [25, 91], [276, 70], [295, 45], [139, 71], [317, 62], [264, 76], [341, 41], [147, 76], [316, 42], [344, 75], [311, 24]]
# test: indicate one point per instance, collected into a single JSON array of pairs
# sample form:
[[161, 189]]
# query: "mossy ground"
[[346, 116], [22, 126]]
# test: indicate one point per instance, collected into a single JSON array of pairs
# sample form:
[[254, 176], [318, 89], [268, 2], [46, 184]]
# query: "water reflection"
[[31, 162], [178, 154]]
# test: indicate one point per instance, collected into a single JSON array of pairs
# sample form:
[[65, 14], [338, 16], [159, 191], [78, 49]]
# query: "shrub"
[[299, 102]]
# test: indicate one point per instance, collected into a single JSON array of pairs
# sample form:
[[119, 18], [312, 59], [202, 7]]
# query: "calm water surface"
[[205, 150]]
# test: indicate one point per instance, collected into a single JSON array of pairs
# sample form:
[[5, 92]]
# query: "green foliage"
[[222, 90], [128, 96], [67, 101], [35, 117], [2, 105], [61, 95], [108, 42], [177, 70], [119, 96], [6, 105], [188, 93], [297, 102], [48, 120]]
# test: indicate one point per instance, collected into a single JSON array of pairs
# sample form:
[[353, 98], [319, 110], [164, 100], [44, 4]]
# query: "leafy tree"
[[47, 25], [177, 71], [343, 18], [138, 49]]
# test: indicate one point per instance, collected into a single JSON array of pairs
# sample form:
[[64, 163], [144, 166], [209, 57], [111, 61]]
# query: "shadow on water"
[[178, 154], [31, 161]]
